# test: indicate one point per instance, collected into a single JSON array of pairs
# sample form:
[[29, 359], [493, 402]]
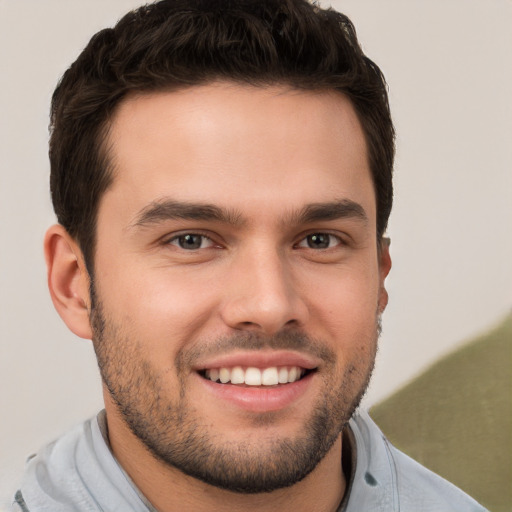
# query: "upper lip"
[[259, 359]]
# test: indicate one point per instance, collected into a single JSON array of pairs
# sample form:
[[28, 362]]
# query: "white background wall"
[[448, 65]]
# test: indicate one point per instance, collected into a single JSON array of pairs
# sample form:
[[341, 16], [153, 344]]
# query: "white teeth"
[[237, 375], [254, 376], [224, 375], [269, 376], [283, 375]]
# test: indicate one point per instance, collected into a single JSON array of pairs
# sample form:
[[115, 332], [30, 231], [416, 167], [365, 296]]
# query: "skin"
[[263, 155]]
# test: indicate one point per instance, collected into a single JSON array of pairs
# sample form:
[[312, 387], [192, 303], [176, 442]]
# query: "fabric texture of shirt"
[[78, 473]]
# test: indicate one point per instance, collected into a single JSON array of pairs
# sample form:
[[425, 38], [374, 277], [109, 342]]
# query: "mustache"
[[285, 340]]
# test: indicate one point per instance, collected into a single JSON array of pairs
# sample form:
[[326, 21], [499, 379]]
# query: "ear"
[[384, 268], [68, 280]]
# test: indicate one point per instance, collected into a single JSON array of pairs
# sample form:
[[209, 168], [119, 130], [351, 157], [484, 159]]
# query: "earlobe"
[[68, 280], [384, 268]]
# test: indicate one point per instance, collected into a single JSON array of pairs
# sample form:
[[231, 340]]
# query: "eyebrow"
[[168, 209], [341, 209]]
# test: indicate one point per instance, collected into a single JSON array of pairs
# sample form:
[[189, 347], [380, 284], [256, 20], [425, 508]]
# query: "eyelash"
[[176, 238], [304, 240], [330, 238]]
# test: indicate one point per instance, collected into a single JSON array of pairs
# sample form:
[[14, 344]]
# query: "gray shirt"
[[78, 473]]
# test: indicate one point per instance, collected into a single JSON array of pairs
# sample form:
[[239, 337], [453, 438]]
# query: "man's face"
[[237, 243]]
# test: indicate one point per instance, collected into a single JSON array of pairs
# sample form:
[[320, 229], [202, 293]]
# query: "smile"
[[252, 376], [259, 381]]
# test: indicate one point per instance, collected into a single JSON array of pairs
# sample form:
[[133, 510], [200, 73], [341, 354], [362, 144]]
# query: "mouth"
[[251, 376], [259, 381]]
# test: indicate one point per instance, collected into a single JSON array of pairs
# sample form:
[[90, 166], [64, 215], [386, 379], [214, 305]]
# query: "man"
[[221, 174]]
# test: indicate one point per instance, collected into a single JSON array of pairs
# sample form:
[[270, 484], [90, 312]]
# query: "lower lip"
[[260, 399]]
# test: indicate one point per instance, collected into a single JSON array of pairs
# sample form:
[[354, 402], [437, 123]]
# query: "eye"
[[191, 241], [320, 241]]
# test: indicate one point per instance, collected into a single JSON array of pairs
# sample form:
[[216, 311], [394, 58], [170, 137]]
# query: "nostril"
[[259, 308]]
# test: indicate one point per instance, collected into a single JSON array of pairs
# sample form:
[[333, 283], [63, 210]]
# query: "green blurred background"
[[456, 418]]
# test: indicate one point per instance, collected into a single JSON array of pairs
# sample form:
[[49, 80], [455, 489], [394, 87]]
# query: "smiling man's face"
[[237, 281]]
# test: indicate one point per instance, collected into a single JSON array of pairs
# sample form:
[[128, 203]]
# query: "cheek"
[[344, 299], [164, 309]]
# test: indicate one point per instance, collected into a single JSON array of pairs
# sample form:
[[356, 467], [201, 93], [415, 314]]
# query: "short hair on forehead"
[[174, 44]]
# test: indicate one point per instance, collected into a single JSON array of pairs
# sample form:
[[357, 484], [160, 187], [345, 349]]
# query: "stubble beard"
[[172, 428]]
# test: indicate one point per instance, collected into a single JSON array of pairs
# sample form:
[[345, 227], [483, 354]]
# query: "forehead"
[[242, 147]]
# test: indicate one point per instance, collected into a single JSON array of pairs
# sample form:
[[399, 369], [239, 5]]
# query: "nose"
[[262, 294]]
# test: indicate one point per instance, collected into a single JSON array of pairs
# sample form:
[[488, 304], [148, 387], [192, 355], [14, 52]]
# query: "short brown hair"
[[174, 44]]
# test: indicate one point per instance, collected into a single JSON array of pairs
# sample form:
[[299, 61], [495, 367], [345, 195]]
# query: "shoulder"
[[421, 489], [78, 473], [52, 471], [387, 480]]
